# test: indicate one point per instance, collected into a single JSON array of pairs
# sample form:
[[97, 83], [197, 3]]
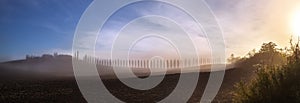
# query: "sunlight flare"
[[295, 22]]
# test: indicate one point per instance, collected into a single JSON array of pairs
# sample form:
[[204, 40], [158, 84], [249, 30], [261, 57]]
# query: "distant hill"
[[44, 66]]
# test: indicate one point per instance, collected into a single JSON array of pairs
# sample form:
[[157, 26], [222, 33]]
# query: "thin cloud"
[[109, 33]]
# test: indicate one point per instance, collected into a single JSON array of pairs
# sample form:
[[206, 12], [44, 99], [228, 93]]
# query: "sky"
[[37, 27], [154, 18]]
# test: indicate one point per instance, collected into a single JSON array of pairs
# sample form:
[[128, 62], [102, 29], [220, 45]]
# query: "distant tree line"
[[154, 63], [46, 56]]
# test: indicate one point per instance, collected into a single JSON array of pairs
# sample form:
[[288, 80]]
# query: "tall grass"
[[272, 84]]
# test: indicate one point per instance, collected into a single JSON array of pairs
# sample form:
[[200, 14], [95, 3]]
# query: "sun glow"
[[295, 22]]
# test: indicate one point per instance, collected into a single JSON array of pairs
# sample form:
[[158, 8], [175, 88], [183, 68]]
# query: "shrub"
[[272, 84]]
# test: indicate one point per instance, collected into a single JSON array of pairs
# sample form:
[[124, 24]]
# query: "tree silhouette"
[[268, 48]]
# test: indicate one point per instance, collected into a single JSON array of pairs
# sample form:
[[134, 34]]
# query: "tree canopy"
[[268, 48]]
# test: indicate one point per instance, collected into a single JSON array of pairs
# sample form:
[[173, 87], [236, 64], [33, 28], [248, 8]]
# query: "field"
[[66, 90]]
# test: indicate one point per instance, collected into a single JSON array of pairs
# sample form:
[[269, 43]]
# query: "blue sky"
[[143, 21], [46, 26], [36, 26]]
